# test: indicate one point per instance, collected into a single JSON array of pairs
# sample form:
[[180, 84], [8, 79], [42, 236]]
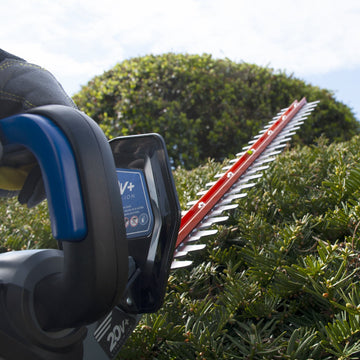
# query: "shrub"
[[281, 278], [204, 107]]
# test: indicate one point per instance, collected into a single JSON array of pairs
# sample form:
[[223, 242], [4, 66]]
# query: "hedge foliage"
[[279, 281], [204, 107], [281, 278]]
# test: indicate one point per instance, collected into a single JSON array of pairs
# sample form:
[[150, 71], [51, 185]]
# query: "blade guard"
[[152, 217]]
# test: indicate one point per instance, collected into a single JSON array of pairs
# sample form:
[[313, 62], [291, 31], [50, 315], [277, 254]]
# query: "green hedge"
[[22, 228], [279, 281], [281, 278], [204, 108]]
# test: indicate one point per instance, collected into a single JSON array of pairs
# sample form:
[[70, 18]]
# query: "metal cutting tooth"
[[178, 264], [267, 154], [211, 221], [191, 248], [236, 188], [289, 132], [276, 146], [267, 159], [300, 120], [184, 250], [225, 168], [238, 155], [296, 122], [256, 137], [249, 177], [211, 183], [312, 104], [230, 198], [293, 129], [304, 112], [217, 176], [258, 167], [220, 209], [198, 234], [284, 139], [260, 164], [244, 183], [270, 153], [179, 253]]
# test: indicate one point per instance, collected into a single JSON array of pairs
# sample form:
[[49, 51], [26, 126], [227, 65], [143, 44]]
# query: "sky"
[[317, 41]]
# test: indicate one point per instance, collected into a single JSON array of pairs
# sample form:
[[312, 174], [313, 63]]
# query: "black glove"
[[24, 86]]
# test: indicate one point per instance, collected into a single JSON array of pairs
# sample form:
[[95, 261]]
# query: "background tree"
[[204, 107]]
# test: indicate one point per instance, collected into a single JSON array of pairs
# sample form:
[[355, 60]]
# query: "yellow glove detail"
[[14, 178]]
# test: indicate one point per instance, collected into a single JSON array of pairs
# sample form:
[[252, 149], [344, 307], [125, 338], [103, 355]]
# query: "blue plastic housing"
[[58, 167]]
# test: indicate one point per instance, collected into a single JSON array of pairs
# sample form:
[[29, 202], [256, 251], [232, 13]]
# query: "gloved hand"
[[24, 86]]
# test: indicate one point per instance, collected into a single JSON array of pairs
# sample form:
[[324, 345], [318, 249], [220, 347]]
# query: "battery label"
[[138, 216]]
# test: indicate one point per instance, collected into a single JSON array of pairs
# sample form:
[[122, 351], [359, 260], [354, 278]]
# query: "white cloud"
[[82, 38]]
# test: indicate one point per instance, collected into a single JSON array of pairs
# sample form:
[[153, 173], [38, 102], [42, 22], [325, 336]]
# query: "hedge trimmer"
[[115, 211], [195, 223]]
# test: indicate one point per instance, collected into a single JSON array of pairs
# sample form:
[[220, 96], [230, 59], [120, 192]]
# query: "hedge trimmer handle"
[[49, 293]]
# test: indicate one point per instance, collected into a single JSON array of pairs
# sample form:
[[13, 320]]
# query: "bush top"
[[204, 107]]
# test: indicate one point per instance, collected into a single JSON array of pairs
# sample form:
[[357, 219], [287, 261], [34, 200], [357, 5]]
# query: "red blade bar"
[[205, 204]]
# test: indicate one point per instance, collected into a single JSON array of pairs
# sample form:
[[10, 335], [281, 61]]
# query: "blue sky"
[[315, 40]]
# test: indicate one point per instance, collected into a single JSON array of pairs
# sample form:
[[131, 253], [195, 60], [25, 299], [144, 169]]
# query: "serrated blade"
[[178, 264], [184, 250], [249, 165]]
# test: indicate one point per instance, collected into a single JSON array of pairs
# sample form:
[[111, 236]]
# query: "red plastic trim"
[[205, 204]]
